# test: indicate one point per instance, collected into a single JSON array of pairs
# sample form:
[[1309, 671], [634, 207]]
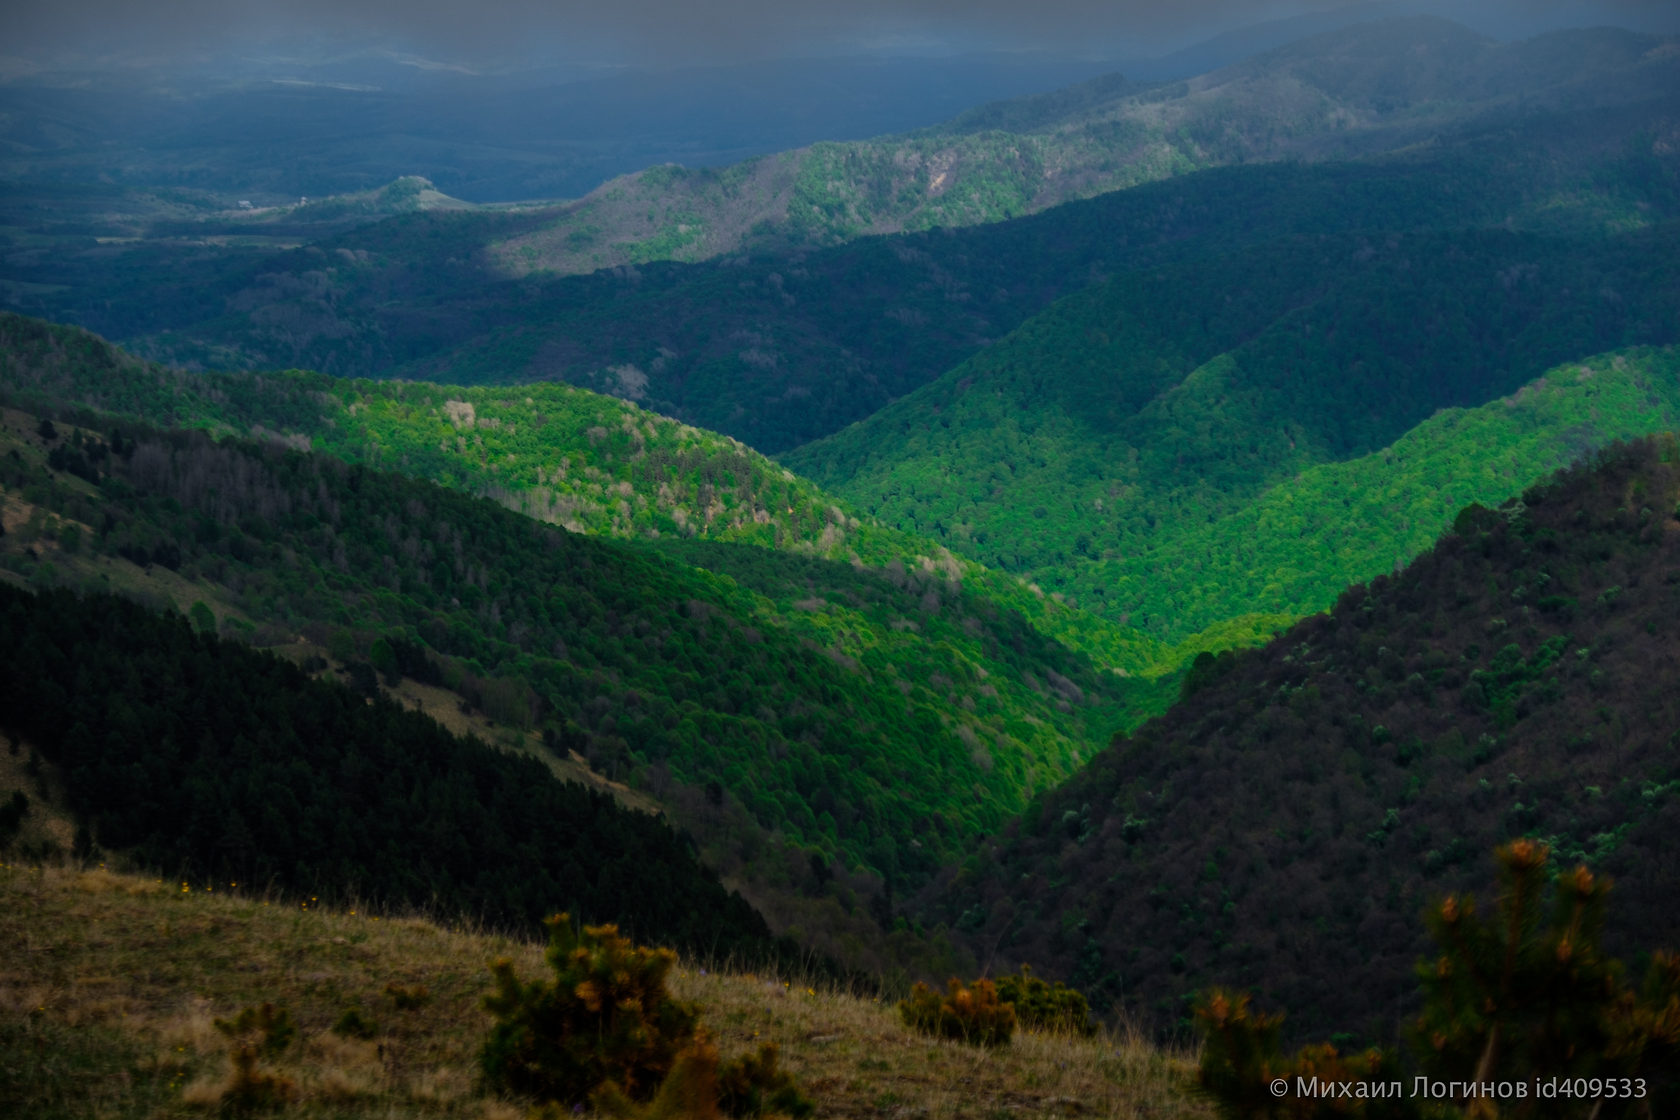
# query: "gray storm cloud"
[[691, 30], [669, 28]]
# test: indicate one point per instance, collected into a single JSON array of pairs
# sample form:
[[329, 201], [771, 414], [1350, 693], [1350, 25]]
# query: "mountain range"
[[1117, 530]]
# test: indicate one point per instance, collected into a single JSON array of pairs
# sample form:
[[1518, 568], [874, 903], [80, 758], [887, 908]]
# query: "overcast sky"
[[698, 30]]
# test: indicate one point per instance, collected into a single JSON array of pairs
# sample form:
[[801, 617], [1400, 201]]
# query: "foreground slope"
[[77, 1040], [1281, 828], [1093, 447]]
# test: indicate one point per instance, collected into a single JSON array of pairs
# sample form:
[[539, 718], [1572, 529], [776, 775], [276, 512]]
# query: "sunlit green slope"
[[1101, 448], [566, 456]]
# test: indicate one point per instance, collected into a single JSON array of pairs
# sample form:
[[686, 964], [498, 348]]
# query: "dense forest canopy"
[[1128, 418], [1281, 827], [1073, 402], [883, 719], [205, 759]]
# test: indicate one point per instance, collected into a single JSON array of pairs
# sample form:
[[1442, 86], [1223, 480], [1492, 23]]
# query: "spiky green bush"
[[1523, 994], [1241, 1062], [354, 1023], [699, 1087], [605, 1017], [752, 1085], [968, 1013], [1052, 1008], [256, 1032], [1508, 998]]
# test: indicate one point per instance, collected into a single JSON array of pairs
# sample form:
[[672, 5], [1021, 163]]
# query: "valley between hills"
[[1159, 537]]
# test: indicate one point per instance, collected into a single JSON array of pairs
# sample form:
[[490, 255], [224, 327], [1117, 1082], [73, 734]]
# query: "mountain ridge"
[[1373, 87], [1137, 410]]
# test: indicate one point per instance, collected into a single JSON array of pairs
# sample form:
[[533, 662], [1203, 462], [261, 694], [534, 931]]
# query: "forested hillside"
[[1098, 447], [568, 457], [1282, 828], [877, 720], [783, 346], [201, 758]]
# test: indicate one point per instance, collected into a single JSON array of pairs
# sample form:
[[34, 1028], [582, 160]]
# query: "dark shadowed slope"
[[1283, 826]]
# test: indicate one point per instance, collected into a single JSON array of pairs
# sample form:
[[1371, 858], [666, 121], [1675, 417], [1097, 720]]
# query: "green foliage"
[[1241, 1062], [724, 661], [606, 1016], [972, 1013], [1320, 790], [1203, 671], [561, 455], [1181, 446], [1521, 994], [303, 783], [753, 1085], [1053, 1008]]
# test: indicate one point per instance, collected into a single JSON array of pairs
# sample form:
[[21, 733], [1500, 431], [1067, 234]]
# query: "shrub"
[[354, 1024], [699, 1088], [751, 1085], [1241, 1060], [971, 1014], [1522, 995], [408, 999], [606, 1016], [1508, 999], [1054, 1008], [256, 1032], [688, 1092]]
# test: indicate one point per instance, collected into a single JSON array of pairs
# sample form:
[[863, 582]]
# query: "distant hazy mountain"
[[1373, 87], [274, 128]]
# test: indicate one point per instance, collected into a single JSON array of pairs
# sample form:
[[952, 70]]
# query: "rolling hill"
[[778, 347], [629, 659], [200, 757], [1099, 447], [789, 711], [569, 457], [1282, 826], [81, 1050]]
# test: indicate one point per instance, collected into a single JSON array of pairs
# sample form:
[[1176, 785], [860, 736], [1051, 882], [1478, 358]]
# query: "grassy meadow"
[[110, 992]]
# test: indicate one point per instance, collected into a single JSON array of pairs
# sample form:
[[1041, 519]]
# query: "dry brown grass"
[[112, 982], [47, 826]]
